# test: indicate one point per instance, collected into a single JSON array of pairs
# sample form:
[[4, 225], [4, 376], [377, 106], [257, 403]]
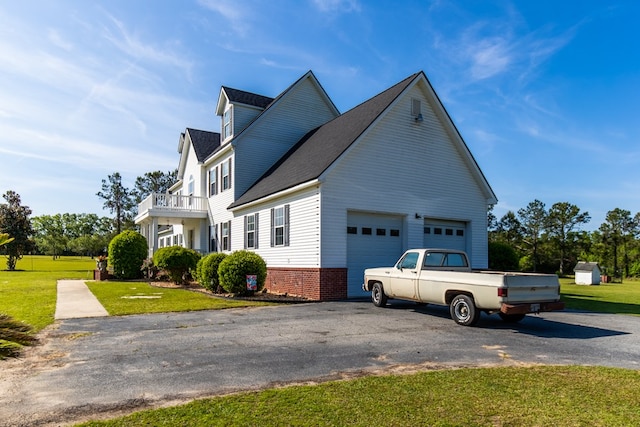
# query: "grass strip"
[[124, 298], [531, 396]]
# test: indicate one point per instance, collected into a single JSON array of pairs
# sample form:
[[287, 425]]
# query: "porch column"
[[204, 236], [153, 237]]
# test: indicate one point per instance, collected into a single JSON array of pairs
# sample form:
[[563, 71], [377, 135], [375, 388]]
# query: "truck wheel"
[[463, 310], [511, 318], [378, 297]]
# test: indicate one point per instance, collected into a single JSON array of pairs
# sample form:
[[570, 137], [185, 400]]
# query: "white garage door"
[[372, 241], [445, 234]]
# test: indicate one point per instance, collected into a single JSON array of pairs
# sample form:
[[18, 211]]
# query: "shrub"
[[176, 261], [127, 251], [233, 271], [207, 271], [502, 257]]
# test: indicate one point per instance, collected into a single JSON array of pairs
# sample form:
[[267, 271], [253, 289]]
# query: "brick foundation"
[[319, 284]]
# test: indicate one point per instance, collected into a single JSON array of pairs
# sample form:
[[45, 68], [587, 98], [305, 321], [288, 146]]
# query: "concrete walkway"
[[75, 300]]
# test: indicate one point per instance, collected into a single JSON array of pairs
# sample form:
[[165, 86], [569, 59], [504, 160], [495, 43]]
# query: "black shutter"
[[286, 225], [273, 228], [255, 232]]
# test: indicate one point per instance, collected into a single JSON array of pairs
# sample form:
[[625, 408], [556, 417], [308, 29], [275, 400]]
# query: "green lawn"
[[122, 298], [29, 293], [533, 396], [617, 298]]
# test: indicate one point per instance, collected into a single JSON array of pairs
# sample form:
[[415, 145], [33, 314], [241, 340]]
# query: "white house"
[[587, 273], [322, 195]]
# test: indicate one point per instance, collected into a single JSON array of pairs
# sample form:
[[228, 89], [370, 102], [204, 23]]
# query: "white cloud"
[[132, 46], [237, 15], [59, 41], [489, 57], [341, 6]]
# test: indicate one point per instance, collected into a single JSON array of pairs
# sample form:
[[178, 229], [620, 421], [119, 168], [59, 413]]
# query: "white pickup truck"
[[444, 277]]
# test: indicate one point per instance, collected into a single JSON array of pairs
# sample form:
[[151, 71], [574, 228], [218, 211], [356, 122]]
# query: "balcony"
[[171, 208]]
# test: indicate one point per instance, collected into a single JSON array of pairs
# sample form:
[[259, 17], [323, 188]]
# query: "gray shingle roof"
[[204, 142], [242, 97], [586, 266], [319, 148]]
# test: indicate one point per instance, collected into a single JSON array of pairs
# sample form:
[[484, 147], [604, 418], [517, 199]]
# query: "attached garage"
[[445, 234], [373, 240]]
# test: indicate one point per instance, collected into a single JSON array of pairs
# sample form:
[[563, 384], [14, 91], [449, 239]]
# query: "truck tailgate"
[[523, 288]]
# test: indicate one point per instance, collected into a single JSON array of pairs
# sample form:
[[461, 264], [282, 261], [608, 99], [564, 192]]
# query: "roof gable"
[[203, 142], [319, 148], [236, 96]]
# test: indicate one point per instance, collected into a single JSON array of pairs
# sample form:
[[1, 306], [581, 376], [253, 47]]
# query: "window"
[[394, 233], [437, 230], [226, 236], [226, 175], [366, 231], [449, 232], [456, 260], [352, 230], [381, 232], [433, 259], [227, 125], [427, 230], [251, 231], [410, 260], [213, 238], [460, 233], [213, 181], [191, 185], [280, 226]]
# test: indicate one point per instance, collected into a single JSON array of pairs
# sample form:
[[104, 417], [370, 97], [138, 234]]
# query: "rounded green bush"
[[176, 261], [233, 271], [207, 270], [127, 251]]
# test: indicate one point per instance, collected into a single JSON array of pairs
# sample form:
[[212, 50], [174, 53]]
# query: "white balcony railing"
[[172, 202]]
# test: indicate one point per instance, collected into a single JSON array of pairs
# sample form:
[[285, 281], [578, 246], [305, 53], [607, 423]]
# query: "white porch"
[[188, 215]]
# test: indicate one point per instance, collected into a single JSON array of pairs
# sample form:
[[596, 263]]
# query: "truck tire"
[[463, 310], [378, 298], [511, 318]]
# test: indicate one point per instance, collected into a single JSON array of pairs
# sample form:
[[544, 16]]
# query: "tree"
[[14, 220], [117, 199], [616, 232], [49, 234], [153, 182], [532, 219], [562, 220], [509, 230]]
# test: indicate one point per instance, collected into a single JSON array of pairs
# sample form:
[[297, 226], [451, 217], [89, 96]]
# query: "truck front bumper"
[[531, 307]]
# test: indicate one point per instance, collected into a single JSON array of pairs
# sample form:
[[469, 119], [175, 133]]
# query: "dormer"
[[236, 109]]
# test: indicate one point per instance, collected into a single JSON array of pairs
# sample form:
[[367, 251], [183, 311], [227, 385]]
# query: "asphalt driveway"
[[105, 365]]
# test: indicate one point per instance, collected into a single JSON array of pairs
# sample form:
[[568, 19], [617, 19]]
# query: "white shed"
[[587, 273]]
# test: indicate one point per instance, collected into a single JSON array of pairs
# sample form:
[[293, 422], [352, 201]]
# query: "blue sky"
[[545, 94]]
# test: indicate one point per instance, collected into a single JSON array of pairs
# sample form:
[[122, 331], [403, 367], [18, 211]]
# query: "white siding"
[[404, 167], [304, 231], [218, 203], [302, 109]]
